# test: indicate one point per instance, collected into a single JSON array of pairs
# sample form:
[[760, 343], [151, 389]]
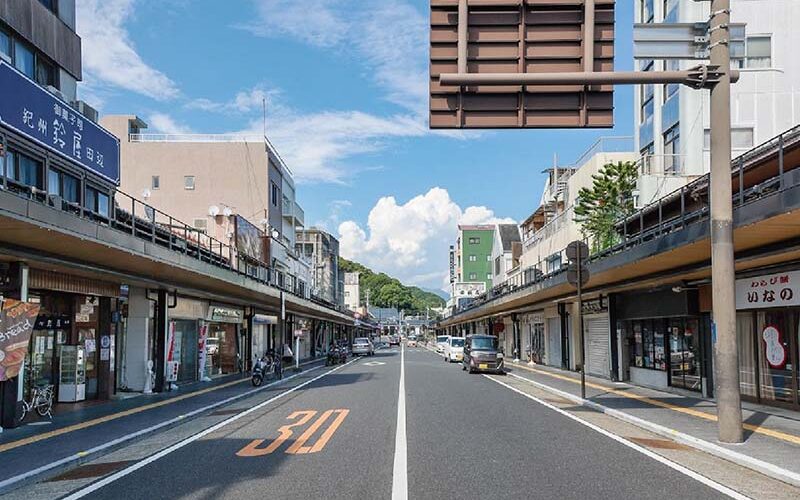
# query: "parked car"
[[454, 350], [482, 354], [441, 343], [411, 341], [362, 346], [394, 340]]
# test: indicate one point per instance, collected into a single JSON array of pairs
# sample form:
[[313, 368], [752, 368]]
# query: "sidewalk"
[[772, 435], [74, 436]]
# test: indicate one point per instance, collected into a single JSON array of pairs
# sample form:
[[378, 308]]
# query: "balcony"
[[292, 210]]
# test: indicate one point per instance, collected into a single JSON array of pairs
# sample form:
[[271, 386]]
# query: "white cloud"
[[165, 124], [109, 56], [312, 21], [410, 240], [243, 102]]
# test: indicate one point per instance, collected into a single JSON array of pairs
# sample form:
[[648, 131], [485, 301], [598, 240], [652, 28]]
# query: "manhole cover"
[[92, 470]]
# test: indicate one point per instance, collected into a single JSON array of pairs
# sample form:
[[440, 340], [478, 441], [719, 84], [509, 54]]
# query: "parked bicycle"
[[41, 400]]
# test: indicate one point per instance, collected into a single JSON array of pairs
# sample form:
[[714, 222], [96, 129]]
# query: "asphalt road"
[[467, 437]]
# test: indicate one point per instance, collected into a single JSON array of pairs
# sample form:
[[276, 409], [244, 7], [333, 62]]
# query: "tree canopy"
[[608, 200]]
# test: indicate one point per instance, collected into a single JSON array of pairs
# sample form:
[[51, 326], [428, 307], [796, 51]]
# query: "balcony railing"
[[662, 165], [671, 213], [145, 222]]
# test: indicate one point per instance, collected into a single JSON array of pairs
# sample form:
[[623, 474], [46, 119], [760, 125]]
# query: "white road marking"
[[655, 456], [400, 471], [138, 465], [374, 363]]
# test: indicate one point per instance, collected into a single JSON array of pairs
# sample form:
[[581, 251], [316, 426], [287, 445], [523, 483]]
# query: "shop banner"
[[772, 290], [16, 325]]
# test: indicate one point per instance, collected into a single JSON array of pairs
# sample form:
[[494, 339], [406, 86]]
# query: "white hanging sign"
[[772, 290]]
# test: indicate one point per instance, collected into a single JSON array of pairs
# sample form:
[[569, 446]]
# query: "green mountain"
[[385, 291]]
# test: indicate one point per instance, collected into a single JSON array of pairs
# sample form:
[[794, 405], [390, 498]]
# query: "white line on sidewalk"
[[400, 471], [669, 463], [138, 465]]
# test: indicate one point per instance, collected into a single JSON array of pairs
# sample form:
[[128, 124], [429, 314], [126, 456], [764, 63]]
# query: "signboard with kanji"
[[41, 116], [521, 37], [772, 290]]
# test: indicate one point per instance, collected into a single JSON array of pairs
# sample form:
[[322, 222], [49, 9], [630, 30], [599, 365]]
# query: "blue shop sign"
[[36, 113]]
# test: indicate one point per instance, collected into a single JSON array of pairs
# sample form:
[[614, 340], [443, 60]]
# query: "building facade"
[[322, 249], [672, 121], [352, 291], [506, 251]]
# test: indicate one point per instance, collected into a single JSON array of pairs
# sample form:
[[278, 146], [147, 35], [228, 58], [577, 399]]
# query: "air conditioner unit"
[[86, 110], [56, 92]]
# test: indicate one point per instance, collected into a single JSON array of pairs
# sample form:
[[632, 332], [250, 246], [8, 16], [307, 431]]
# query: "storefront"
[[263, 328], [768, 329], [73, 341], [664, 339], [597, 337], [533, 338], [223, 341]]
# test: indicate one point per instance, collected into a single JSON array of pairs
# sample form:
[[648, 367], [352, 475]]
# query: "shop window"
[[648, 347], [745, 331], [777, 339], [24, 59], [684, 346]]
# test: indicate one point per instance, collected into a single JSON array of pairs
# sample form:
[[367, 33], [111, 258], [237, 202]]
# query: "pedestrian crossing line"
[[783, 436]]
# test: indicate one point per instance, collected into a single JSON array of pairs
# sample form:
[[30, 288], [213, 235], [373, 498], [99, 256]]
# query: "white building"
[[506, 251], [672, 121], [352, 291]]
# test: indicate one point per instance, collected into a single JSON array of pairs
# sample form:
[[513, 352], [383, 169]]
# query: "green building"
[[474, 254]]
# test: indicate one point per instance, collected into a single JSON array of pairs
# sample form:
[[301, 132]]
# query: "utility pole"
[[729, 406]]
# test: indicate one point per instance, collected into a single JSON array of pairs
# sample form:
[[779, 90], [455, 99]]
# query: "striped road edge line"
[[737, 458], [83, 456], [655, 456]]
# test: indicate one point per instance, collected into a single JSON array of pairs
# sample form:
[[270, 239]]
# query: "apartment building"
[[322, 250], [352, 291], [672, 121]]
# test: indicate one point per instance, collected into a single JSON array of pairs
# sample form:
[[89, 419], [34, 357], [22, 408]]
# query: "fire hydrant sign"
[[772, 290], [16, 324]]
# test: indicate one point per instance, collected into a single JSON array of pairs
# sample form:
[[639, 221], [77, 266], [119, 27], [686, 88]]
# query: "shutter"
[[597, 341], [554, 342]]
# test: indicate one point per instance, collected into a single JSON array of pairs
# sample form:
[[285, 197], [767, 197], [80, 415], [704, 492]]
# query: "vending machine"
[[72, 374]]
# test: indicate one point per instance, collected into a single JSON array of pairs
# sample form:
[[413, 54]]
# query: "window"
[[5, 46], [648, 14], [156, 182], [670, 11], [671, 89], [23, 59], [96, 201], [473, 276], [553, 263], [188, 182], [758, 53], [24, 169], [488, 258], [63, 185], [45, 73], [497, 265], [489, 276], [473, 258], [474, 241], [646, 111], [672, 150], [274, 194], [741, 138], [52, 5], [647, 344]]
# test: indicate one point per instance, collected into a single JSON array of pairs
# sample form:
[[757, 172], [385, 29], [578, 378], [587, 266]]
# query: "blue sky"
[[349, 117]]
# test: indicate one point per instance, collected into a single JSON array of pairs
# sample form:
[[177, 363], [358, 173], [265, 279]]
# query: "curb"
[[737, 458], [53, 468]]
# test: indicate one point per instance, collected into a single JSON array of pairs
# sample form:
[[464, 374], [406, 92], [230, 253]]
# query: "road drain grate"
[[658, 443], [92, 470]]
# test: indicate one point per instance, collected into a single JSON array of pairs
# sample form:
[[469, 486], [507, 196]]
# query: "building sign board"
[[521, 37], [225, 314], [41, 116], [16, 325], [771, 290]]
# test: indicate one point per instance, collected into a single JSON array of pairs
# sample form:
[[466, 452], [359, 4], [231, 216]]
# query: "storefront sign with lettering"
[[16, 325], [772, 290], [774, 350]]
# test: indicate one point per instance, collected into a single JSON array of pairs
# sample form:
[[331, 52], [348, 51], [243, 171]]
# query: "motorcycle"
[[332, 357], [262, 367], [342, 354]]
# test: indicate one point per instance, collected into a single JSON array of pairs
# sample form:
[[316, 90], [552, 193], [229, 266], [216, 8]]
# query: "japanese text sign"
[[773, 290], [16, 324], [33, 111]]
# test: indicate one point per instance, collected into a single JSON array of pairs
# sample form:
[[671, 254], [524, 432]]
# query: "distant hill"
[[386, 291], [440, 293]]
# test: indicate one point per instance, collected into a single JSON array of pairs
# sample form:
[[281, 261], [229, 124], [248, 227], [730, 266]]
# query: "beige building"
[[352, 291], [203, 180]]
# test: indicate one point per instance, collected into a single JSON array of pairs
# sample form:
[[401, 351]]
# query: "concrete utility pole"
[[729, 406]]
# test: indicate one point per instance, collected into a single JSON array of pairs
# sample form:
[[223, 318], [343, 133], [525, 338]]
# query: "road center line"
[[400, 471], [138, 465], [655, 456]]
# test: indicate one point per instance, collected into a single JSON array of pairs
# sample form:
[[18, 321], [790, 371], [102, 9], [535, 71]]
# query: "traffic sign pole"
[[580, 325]]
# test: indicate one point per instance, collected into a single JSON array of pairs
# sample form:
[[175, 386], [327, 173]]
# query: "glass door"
[[684, 343]]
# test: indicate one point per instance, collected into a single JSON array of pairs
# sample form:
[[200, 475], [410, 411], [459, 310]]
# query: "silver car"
[[363, 346]]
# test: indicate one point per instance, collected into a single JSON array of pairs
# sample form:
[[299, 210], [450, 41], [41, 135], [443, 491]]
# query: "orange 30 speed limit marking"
[[299, 447]]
